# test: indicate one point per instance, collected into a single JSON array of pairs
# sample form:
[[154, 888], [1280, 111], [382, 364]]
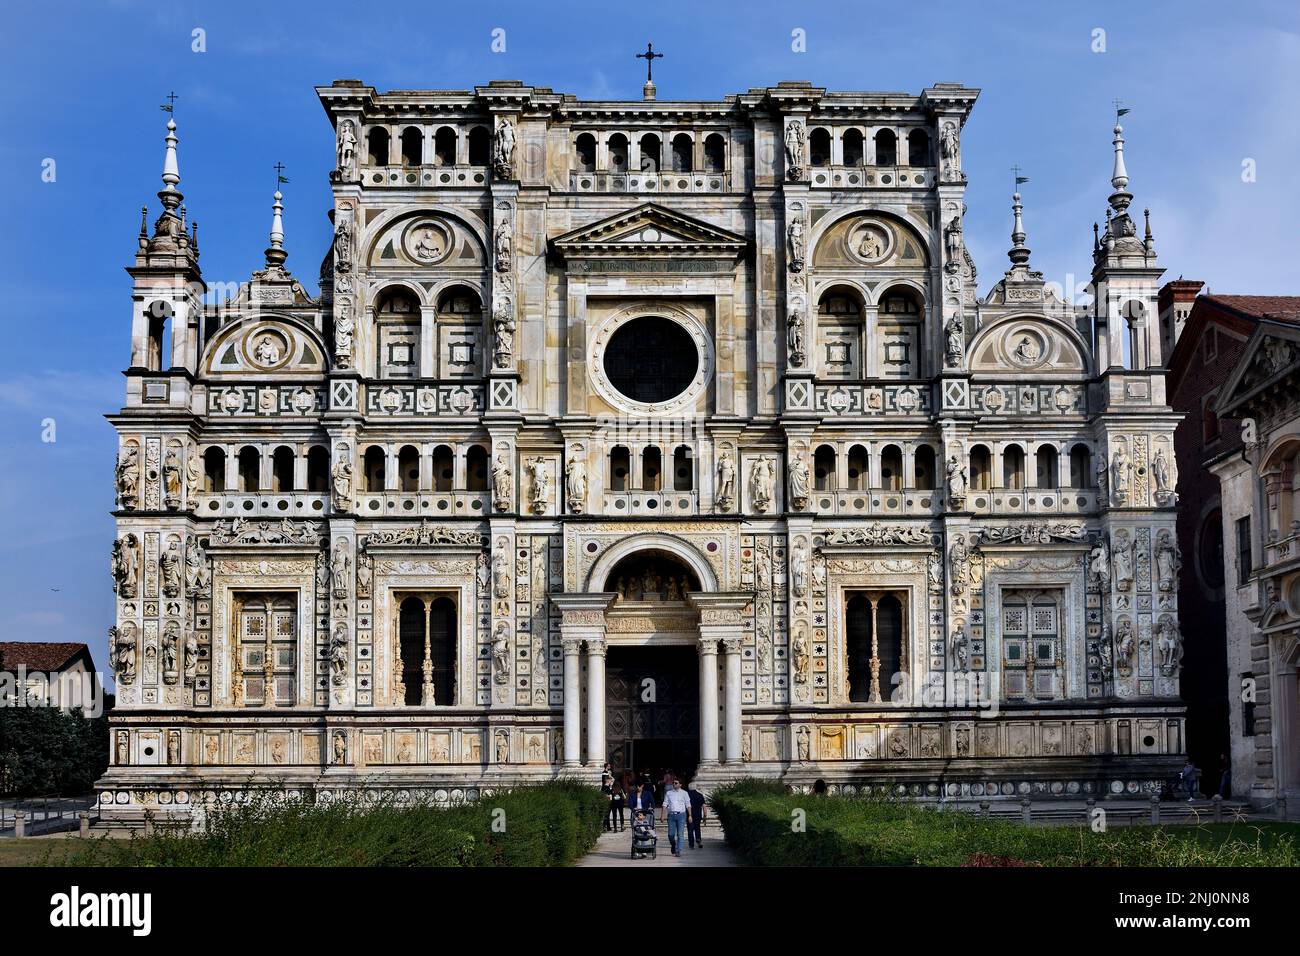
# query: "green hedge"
[[46, 752], [549, 825], [769, 827]]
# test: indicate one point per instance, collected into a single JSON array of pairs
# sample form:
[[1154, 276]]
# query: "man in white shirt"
[[677, 804]]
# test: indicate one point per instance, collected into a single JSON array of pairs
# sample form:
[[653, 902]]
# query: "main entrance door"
[[652, 709]]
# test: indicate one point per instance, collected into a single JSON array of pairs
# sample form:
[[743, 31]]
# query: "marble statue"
[[503, 246], [1121, 470], [803, 739], [799, 570], [799, 650], [794, 338], [193, 476], [344, 327], [950, 151], [128, 477], [191, 658], [575, 482], [952, 237], [540, 475], [794, 151], [339, 747], [1124, 645], [726, 492], [800, 482], [169, 569], [955, 340], [1099, 564], [347, 149], [1168, 562], [503, 335], [1169, 641], [503, 153], [761, 484], [340, 569], [341, 477], [172, 478], [794, 239], [957, 481], [958, 566], [122, 652], [960, 648], [170, 639], [502, 483], [338, 654], [124, 565], [501, 653], [1122, 560]]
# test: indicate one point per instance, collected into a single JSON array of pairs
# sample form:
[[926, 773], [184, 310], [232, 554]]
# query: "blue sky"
[[1209, 84]]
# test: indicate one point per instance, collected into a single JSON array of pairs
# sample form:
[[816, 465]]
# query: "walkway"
[[613, 849]]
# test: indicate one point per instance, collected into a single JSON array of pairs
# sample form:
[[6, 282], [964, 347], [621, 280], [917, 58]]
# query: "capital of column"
[[571, 645], [583, 615], [721, 612], [709, 646], [732, 645], [596, 646]]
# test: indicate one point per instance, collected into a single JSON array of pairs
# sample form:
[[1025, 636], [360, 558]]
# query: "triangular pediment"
[[649, 229], [1271, 357]]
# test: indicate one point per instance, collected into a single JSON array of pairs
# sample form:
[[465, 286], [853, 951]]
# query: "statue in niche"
[[427, 247], [763, 567], [1122, 560], [1121, 471], [172, 478], [503, 153], [502, 483], [800, 482], [1027, 351], [340, 747], [960, 648], [934, 571], [503, 246], [173, 747], [1165, 479], [338, 652], [124, 566], [950, 151], [1168, 561], [170, 639], [870, 245], [365, 575], [761, 482], [540, 475], [169, 569], [344, 327], [122, 652], [501, 571], [794, 337], [953, 245], [726, 480], [128, 476], [794, 143], [1103, 479], [340, 569], [818, 574], [794, 238], [1099, 564], [958, 566], [955, 339], [1106, 652], [803, 742], [500, 653], [266, 351], [123, 747], [191, 658], [575, 482], [799, 650], [347, 148], [799, 570], [1169, 641], [957, 481], [341, 476], [764, 651], [1124, 645], [343, 247], [193, 475], [503, 746]]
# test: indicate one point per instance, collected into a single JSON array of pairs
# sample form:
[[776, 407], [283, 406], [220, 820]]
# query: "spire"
[[171, 175], [275, 254], [144, 227], [1019, 253], [1119, 178]]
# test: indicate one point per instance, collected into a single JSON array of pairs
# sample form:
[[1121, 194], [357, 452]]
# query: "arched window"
[[901, 301], [412, 146], [1046, 461], [918, 148], [250, 469], [1134, 346], [476, 468], [408, 468], [377, 146], [1013, 467], [620, 466], [923, 465], [873, 630], [651, 468], [824, 468], [819, 147], [618, 153], [584, 153], [1081, 466], [899, 315], [159, 357], [981, 468], [853, 146], [444, 468], [374, 466], [318, 470], [480, 146], [891, 468], [282, 462], [214, 469], [427, 644], [650, 158], [411, 625], [839, 334], [715, 153], [397, 317], [857, 468], [683, 469], [683, 161], [444, 146], [886, 148]]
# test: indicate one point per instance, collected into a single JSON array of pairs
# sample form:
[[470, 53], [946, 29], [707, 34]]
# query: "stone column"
[[731, 703], [708, 701], [582, 619], [596, 702], [572, 704]]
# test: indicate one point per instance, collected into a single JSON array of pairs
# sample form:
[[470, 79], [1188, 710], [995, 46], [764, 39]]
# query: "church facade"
[[669, 434]]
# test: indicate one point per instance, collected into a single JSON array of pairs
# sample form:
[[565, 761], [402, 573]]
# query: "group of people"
[[684, 807]]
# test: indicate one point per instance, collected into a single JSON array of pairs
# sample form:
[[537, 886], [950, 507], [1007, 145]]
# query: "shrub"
[[858, 831], [45, 751], [549, 825]]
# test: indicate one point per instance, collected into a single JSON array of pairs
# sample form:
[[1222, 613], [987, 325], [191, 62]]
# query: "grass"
[[768, 826], [550, 825]]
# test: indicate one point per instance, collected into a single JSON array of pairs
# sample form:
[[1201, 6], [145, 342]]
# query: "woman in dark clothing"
[[616, 801], [648, 800]]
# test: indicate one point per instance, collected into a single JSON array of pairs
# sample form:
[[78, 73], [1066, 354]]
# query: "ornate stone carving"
[[339, 748], [957, 483], [1121, 474], [503, 333], [1099, 564], [726, 491], [284, 531], [124, 565], [950, 154], [502, 483], [960, 648], [341, 479], [1124, 646], [1169, 641], [169, 569], [347, 151], [803, 744], [958, 567], [794, 151], [761, 483], [1162, 470], [954, 336], [878, 535], [501, 653], [190, 658], [425, 534], [338, 654], [1032, 532], [503, 246], [365, 575], [341, 569], [794, 236], [503, 149], [1168, 561], [170, 644], [799, 570], [800, 482], [539, 474], [575, 481], [123, 648], [344, 328], [794, 333], [172, 479], [128, 477], [953, 245], [1122, 560]]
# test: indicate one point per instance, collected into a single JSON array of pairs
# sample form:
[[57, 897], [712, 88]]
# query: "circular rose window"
[[651, 359]]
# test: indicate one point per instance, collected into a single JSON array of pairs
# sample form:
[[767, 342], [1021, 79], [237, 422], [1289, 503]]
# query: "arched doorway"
[[652, 678]]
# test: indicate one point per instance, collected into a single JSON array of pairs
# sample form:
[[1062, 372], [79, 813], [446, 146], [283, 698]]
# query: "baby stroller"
[[644, 841]]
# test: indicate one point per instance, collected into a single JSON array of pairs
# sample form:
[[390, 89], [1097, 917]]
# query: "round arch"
[[377, 228], [995, 327], [675, 546], [905, 220]]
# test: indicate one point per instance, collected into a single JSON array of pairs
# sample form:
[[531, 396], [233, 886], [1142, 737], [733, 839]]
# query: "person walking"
[[1189, 779], [607, 788], [616, 802], [696, 818], [677, 804], [648, 800]]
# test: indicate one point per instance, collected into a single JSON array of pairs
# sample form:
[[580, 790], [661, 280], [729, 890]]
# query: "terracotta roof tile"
[[39, 655], [1282, 308]]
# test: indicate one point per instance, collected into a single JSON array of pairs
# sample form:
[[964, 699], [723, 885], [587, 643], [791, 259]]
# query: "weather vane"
[[280, 178], [170, 105], [649, 56]]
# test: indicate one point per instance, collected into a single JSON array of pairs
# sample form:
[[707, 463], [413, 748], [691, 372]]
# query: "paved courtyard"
[[613, 849]]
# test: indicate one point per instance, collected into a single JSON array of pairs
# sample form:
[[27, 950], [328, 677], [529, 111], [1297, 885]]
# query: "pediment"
[[649, 229], [1271, 356]]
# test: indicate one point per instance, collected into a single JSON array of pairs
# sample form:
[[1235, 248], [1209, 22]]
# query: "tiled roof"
[[39, 655], [1282, 308]]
